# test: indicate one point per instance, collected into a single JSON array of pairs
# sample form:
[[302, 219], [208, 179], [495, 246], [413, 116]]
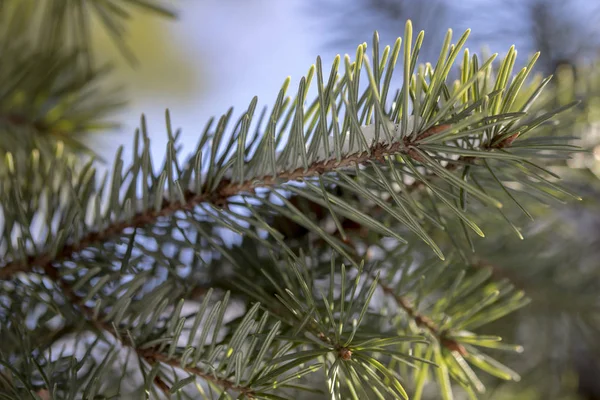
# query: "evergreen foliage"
[[340, 229]]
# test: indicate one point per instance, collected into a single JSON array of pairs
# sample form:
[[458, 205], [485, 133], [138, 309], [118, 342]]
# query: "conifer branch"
[[148, 355], [421, 320], [424, 321], [226, 189]]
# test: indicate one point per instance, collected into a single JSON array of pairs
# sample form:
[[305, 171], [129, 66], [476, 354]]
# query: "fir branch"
[[421, 320], [148, 355], [226, 189]]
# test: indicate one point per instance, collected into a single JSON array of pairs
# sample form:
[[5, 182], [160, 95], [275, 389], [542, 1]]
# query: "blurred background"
[[221, 53]]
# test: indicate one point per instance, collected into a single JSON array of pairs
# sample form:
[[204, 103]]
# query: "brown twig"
[[427, 323], [162, 385], [154, 357], [423, 321]]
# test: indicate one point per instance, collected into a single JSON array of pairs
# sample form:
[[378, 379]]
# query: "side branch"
[[421, 320], [148, 355]]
